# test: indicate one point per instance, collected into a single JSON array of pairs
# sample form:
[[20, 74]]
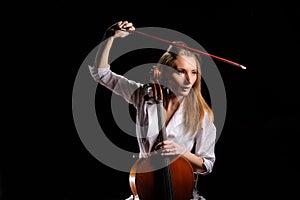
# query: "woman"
[[188, 118]]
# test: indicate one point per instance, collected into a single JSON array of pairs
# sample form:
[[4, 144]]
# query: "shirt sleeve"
[[205, 145], [117, 83]]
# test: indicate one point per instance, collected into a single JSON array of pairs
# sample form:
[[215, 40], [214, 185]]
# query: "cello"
[[158, 177]]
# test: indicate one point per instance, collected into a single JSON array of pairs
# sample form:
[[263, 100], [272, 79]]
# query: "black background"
[[43, 156]]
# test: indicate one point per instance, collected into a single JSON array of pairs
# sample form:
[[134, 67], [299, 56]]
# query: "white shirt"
[[146, 118]]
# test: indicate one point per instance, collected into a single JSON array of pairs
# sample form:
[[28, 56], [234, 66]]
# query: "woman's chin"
[[182, 93]]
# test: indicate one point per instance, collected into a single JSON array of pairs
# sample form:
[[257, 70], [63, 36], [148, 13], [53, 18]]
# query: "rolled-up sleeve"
[[97, 73], [205, 145], [116, 83]]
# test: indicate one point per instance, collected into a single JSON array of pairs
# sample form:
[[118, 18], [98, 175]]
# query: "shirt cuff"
[[207, 167], [97, 73]]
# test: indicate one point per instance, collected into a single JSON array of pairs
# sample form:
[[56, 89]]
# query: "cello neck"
[[161, 122], [160, 99]]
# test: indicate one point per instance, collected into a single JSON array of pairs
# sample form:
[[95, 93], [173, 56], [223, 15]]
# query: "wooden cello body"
[[147, 179], [160, 177]]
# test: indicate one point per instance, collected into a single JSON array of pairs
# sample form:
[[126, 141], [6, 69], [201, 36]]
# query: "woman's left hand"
[[169, 147]]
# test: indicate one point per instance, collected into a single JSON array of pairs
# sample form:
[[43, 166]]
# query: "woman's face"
[[183, 75]]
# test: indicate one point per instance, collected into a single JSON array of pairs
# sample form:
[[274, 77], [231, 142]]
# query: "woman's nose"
[[187, 78]]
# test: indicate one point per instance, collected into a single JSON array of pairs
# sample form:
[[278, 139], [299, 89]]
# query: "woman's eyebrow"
[[182, 68]]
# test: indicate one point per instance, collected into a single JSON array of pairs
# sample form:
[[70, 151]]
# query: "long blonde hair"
[[195, 105]]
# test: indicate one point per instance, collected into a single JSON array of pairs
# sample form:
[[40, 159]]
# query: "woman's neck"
[[173, 102], [171, 106]]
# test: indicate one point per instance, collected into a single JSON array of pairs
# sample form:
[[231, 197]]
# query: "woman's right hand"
[[119, 29]]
